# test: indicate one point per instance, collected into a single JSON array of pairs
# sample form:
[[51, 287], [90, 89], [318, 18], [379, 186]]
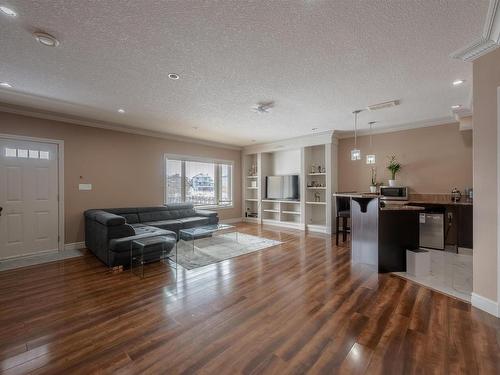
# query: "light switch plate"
[[85, 187]]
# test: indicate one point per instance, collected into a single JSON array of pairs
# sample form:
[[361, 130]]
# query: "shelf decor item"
[[394, 167]]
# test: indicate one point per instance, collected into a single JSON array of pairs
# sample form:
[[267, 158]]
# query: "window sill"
[[213, 207]]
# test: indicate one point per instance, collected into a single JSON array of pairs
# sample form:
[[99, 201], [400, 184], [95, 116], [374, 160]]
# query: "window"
[[203, 183], [10, 152], [22, 153]]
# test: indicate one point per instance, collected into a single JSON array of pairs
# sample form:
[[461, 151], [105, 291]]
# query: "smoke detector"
[[376, 107], [263, 107]]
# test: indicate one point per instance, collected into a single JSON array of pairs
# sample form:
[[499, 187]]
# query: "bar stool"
[[343, 208]]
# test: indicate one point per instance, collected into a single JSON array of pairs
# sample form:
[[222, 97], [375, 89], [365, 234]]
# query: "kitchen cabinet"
[[465, 226]]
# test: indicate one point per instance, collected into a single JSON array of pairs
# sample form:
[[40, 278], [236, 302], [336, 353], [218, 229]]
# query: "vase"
[[392, 183], [373, 189]]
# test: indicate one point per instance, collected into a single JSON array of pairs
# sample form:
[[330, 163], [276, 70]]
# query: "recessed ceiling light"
[[174, 76], [7, 11], [456, 106], [5, 84], [46, 39], [121, 110], [458, 82]]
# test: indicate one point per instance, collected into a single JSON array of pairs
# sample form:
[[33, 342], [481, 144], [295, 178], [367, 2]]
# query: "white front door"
[[29, 221]]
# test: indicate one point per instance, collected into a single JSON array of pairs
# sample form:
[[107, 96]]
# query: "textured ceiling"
[[317, 59]]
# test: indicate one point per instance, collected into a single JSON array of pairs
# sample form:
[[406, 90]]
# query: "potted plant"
[[394, 167], [373, 186]]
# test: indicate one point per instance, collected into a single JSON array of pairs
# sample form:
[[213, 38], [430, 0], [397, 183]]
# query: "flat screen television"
[[282, 187]]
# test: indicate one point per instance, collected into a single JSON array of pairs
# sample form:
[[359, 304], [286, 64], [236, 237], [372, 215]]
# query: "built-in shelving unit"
[[313, 158], [251, 191]]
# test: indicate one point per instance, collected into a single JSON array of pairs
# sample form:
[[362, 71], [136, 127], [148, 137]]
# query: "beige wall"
[[124, 169], [486, 75], [434, 159]]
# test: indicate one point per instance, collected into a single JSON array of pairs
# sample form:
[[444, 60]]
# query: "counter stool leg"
[[337, 220], [344, 229]]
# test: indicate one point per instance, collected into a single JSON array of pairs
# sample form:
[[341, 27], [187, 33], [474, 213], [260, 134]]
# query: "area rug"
[[218, 248]]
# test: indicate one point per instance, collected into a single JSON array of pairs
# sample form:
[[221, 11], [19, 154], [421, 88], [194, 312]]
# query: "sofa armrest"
[[108, 219], [206, 213]]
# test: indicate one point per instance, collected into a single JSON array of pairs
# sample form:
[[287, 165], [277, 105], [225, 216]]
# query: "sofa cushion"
[[156, 214], [173, 225], [131, 218], [195, 221], [143, 229]]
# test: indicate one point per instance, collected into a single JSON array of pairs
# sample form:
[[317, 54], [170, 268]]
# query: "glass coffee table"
[[192, 234], [150, 249]]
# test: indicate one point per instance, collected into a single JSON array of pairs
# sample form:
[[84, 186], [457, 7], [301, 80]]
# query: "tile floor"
[[451, 273]]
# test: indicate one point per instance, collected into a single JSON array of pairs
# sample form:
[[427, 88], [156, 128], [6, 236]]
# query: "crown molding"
[[31, 112], [414, 125], [490, 39], [293, 143]]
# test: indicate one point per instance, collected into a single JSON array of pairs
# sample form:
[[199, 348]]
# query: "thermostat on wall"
[[85, 187]]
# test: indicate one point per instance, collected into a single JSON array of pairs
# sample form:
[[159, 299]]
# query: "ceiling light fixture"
[[174, 76], [355, 152], [456, 106], [5, 84], [458, 82], [370, 159], [263, 107], [375, 107], [7, 11], [121, 110], [46, 39]]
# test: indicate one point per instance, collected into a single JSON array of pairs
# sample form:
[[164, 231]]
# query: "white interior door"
[[29, 221]]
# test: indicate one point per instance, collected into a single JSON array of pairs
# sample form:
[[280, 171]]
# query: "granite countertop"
[[427, 199], [356, 195], [401, 207], [448, 203]]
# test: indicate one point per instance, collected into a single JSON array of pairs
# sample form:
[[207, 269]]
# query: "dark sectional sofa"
[[109, 232]]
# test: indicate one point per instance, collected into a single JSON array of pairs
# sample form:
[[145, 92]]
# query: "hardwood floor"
[[299, 307]]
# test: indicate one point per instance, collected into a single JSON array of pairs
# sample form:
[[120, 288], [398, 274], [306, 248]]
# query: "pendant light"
[[355, 152], [370, 159]]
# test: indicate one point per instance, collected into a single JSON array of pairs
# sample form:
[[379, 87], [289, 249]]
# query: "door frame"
[[60, 177], [498, 205]]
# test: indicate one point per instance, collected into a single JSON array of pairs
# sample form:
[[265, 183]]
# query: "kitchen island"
[[382, 232]]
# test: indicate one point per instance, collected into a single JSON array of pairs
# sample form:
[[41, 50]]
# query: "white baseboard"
[[232, 220], [317, 228], [485, 304], [284, 224], [74, 246]]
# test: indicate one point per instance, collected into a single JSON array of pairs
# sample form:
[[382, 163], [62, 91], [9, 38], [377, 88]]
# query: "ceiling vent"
[[376, 107], [263, 107]]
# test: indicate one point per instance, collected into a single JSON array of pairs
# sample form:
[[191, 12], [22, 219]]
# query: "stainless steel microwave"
[[399, 193]]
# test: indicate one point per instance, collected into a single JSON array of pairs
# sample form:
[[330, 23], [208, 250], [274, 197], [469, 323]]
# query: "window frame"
[[217, 178]]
